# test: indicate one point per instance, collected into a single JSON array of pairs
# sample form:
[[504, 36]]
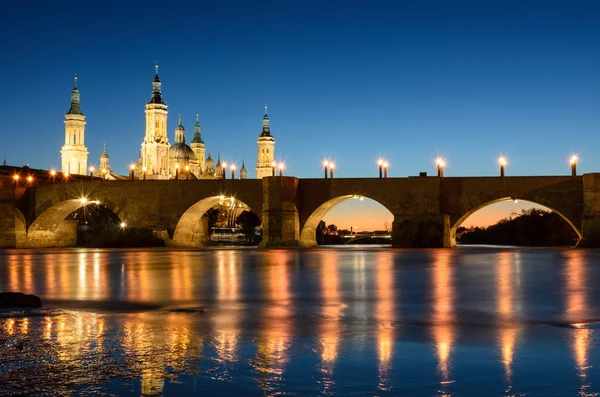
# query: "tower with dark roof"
[[155, 147], [198, 146], [266, 149], [74, 153]]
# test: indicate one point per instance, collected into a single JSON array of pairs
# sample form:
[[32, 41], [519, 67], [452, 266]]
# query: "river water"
[[448, 322]]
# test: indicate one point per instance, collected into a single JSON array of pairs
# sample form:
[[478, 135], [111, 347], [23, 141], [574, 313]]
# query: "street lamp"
[[92, 169], [502, 161], [29, 179], [441, 163], [574, 160], [385, 168], [187, 172], [16, 178], [273, 166], [144, 169], [232, 171], [380, 165], [325, 165], [224, 170], [177, 171], [131, 170], [104, 172], [281, 167], [123, 225], [331, 168], [66, 176], [52, 175]]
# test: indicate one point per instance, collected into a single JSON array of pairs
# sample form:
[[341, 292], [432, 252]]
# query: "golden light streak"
[[384, 313], [443, 311]]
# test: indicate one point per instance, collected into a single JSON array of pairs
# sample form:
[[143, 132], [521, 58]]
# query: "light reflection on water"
[[328, 321]]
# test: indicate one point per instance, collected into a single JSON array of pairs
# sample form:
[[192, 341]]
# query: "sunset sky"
[[407, 80]]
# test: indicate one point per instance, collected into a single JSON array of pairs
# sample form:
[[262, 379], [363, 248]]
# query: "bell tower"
[[74, 154], [155, 148], [266, 150]]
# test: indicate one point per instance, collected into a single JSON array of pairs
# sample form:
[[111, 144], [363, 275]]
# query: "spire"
[[266, 130], [197, 136], [75, 105], [104, 154], [243, 166], [180, 132], [156, 90]]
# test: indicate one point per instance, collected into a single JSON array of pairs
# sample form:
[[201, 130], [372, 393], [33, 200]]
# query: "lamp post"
[[331, 168], [177, 171], [273, 166], [281, 167], [224, 170], [131, 171], [574, 165], [92, 169], [232, 166], [29, 179], [187, 172], [16, 178], [104, 172], [325, 165], [385, 168], [144, 170], [66, 177], [502, 162], [440, 167], [52, 175], [380, 165]]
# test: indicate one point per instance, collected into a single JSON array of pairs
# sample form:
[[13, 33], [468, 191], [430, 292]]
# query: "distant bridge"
[[426, 210]]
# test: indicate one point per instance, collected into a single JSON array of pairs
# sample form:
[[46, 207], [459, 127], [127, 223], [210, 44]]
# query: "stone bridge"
[[426, 210]]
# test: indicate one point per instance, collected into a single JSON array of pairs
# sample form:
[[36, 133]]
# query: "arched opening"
[[348, 220], [98, 226], [218, 220], [511, 222]]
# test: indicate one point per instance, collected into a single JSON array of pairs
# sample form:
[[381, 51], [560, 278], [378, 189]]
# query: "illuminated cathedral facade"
[[158, 158]]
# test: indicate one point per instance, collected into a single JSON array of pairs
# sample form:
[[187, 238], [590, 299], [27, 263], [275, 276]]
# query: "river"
[[367, 321]]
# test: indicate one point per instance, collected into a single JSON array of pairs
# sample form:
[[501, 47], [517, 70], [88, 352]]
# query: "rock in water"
[[19, 299]]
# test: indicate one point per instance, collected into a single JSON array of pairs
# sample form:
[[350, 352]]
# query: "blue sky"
[[346, 80]]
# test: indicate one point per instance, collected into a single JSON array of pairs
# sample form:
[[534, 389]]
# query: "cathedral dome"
[[181, 152], [210, 163]]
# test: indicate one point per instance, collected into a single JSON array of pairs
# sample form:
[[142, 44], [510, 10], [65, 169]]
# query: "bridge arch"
[[51, 228], [308, 233], [455, 223], [189, 232]]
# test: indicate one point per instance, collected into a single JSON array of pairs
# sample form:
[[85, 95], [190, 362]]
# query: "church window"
[[74, 139], [267, 151]]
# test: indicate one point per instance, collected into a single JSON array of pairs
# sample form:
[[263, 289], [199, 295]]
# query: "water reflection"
[[329, 328], [443, 313], [576, 313], [275, 323], [507, 326], [274, 334], [226, 321], [385, 316]]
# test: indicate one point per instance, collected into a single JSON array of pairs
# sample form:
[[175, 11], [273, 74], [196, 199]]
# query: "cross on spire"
[[179, 118], [75, 80], [156, 66]]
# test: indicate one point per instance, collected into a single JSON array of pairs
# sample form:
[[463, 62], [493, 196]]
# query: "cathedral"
[[158, 159]]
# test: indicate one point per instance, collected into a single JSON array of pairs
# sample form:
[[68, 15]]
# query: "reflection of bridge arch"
[[190, 231], [308, 234], [455, 224]]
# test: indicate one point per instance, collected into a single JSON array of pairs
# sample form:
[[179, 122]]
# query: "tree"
[[212, 215], [249, 221]]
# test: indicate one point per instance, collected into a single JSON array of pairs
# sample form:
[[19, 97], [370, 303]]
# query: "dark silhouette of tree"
[[532, 228], [213, 216], [248, 221]]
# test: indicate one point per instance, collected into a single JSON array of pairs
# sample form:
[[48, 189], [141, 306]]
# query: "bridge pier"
[[421, 231], [280, 220], [590, 219]]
